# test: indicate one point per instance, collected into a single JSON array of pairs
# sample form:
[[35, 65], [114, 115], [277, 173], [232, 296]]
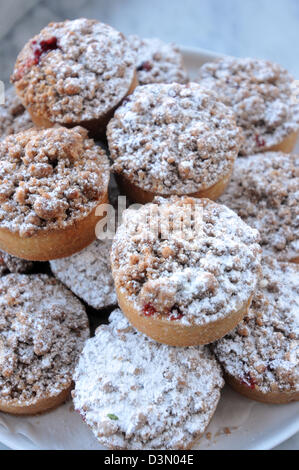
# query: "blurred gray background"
[[256, 28], [259, 28]]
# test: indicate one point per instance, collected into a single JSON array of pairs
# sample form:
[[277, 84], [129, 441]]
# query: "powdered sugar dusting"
[[192, 280], [157, 61], [261, 96], [146, 395], [85, 76], [88, 274], [43, 328], [173, 139], [264, 191], [263, 350]]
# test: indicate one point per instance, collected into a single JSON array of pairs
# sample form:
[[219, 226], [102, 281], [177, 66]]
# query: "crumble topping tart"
[[147, 395], [13, 116], [261, 95], [12, 264], [173, 139], [74, 71], [158, 61], [203, 274], [263, 352], [49, 179], [264, 191], [43, 328], [88, 274]]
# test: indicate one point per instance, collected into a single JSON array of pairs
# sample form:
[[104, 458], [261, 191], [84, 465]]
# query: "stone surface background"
[[259, 28]]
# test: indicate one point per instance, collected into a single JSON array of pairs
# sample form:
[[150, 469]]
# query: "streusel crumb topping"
[[263, 351], [264, 191], [88, 274], [147, 395], [12, 264], [13, 116], [74, 71], [157, 61], [173, 139], [262, 96], [49, 178], [207, 272], [43, 328]]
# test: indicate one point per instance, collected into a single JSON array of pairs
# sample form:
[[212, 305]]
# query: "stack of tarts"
[[204, 272]]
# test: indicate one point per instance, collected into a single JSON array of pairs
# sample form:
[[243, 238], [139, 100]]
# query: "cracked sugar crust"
[[263, 352], [74, 71], [13, 116], [157, 61], [261, 94], [43, 328], [196, 277], [50, 179], [12, 264], [173, 139], [264, 191], [137, 394], [88, 274]]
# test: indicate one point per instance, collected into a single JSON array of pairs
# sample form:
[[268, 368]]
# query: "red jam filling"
[[146, 66], [43, 47], [149, 310], [249, 382], [260, 142], [38, 50], [175, 316]]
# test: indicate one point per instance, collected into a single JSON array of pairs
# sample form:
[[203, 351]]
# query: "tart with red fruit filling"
[[43, 327], [172, 139], [52, 181], [189, 286], [261, 356], [137, 394], [264, 192], [263, 97], [75, 73]]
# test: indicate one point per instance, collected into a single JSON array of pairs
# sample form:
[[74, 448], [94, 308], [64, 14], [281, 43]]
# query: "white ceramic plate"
[[237, 424]]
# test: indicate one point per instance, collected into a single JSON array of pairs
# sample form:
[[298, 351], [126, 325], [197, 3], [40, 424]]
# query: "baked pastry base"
[[52, 244], [41, 406], [174, 333], [287, 145], [140, 196], [253, 394], [96, 127]]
